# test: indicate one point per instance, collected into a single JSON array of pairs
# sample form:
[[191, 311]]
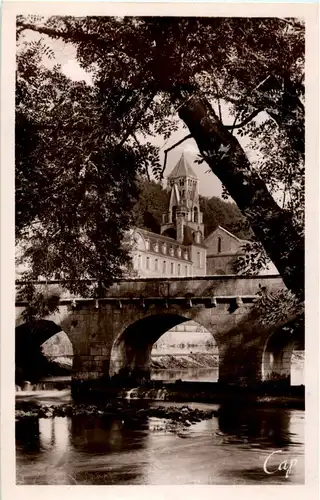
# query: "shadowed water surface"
[[228, 449]]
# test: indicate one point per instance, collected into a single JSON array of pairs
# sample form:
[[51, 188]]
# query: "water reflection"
[[28, 435], [212, 374], [229, 449], [187, 374], [259, 427], [94, 435]]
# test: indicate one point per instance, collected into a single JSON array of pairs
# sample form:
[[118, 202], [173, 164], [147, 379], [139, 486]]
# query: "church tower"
[[183, 221]]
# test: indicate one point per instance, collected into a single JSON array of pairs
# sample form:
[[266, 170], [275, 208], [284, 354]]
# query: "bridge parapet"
[[201, 287]]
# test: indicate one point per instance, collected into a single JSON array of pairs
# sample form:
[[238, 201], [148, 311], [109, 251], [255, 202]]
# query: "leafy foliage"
[[217, 212], [278, 306], [69, 182], [154, 201], [145, 71]]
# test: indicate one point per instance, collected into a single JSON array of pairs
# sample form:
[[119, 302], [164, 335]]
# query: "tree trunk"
[[273, 227]]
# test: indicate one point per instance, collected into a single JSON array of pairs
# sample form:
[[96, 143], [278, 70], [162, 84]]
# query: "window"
[[186, 270], [195, 214], [198, 259], [172, 267], [178, 269], [174, 214], [164, 267], [148, 263], [139, 262], [156, 264], [219, 244]]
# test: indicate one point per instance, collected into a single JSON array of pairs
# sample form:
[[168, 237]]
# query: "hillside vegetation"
[[154, 200]]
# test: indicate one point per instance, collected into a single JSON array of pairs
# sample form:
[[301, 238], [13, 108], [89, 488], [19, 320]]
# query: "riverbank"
[[179, 393], [199, 360], [183, 361]]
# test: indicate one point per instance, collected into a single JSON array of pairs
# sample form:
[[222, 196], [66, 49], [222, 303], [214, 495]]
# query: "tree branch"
[[166, 151], [139, 146], [246, 120], [43, 126], [273, 226], [246, 97], [291, 22], [78, 36], [137, 119]]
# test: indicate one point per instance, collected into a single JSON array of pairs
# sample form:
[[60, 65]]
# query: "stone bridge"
[[115, 334]]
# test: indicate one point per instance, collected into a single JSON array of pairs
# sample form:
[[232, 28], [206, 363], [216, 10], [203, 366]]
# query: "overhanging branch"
[[132, 127], [77, 36], [246, 120], [139, 146], [166, 151]]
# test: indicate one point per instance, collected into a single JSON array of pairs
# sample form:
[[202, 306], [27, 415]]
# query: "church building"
[[179, 249]]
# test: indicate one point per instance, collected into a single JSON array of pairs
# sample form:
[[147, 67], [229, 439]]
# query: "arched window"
[[219, 244], [198, 259], [156, 264], [174, 214], [195, 214]]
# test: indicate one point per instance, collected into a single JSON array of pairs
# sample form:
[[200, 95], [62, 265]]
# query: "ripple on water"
[[228, 449]]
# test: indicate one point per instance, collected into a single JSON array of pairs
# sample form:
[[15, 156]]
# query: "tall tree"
[[68, 186], [152, 203], [148, 70]]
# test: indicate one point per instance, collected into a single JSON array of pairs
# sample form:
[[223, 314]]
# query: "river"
[[230, 448], [211, 374]]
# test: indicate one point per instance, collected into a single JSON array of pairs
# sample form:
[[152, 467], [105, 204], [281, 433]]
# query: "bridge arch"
[[278, 351], [37, 344], [131, 350]]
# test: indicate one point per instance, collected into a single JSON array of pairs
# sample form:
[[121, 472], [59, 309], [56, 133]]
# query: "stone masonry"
[[116, 333]]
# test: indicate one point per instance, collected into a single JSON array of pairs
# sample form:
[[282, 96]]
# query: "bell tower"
[[184, 209]]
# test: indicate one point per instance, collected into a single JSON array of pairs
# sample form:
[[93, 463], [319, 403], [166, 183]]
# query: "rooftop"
[[182, 169]]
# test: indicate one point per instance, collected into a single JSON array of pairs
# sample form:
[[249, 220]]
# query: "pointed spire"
[[182, 169]]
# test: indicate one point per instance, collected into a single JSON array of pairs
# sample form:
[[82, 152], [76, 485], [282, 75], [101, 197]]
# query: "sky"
[[65, 55]]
